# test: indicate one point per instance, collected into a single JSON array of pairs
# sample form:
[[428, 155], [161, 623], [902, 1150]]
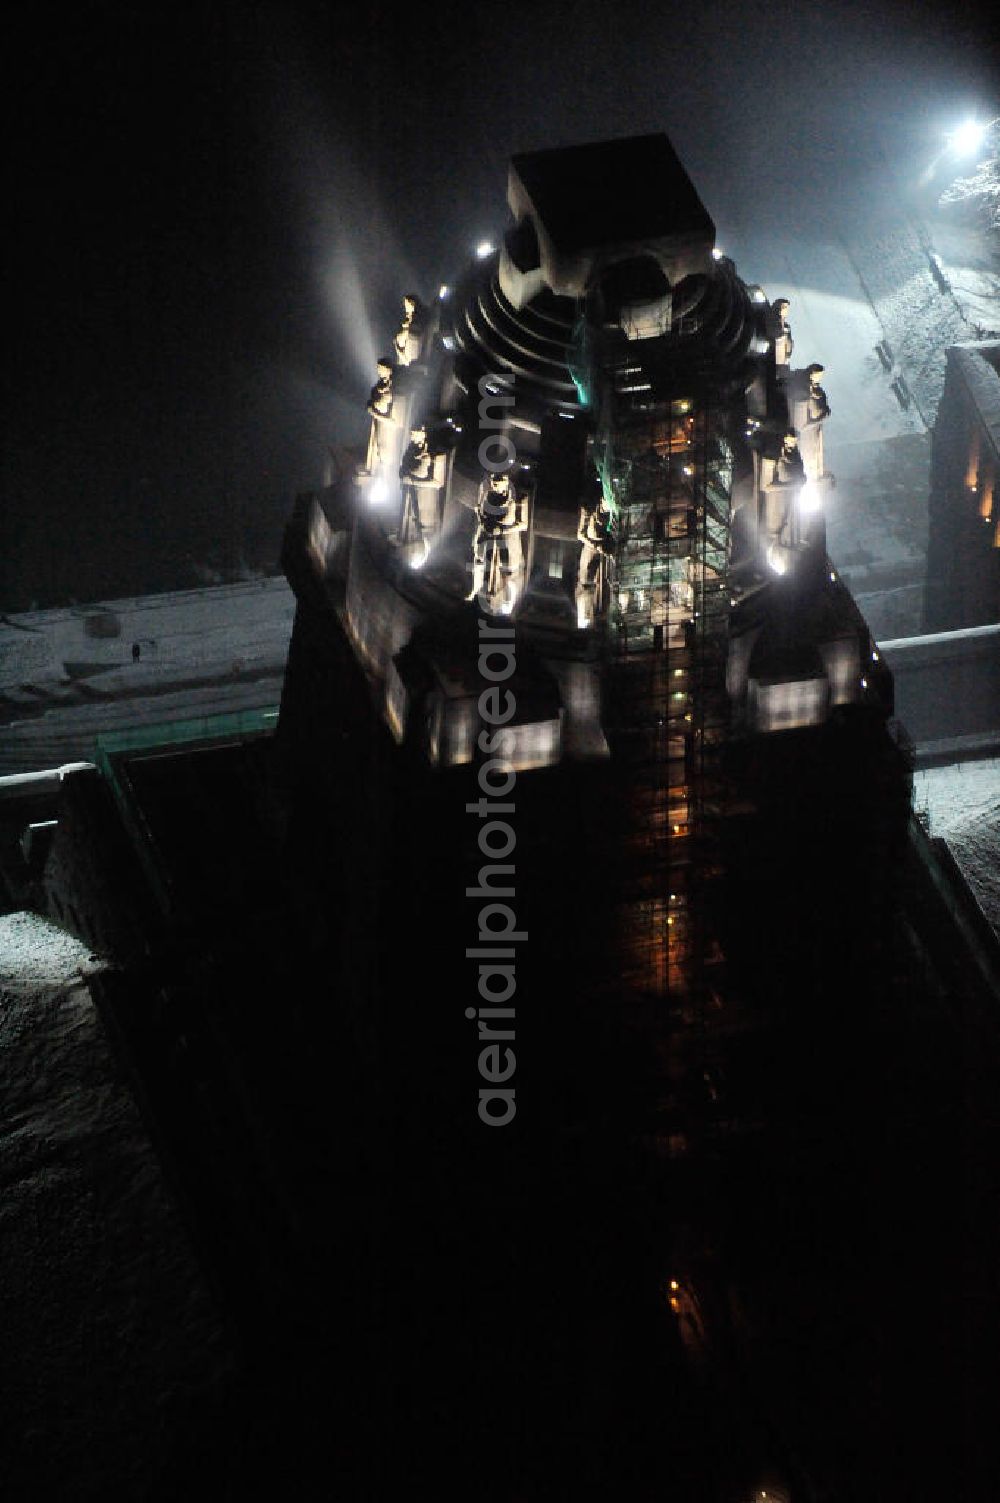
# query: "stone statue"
[[788, 467], [420, 486], [819, 407], [409, 339], [787, 475], [594, 532], [781, 331], [497, 552], [379, 407]]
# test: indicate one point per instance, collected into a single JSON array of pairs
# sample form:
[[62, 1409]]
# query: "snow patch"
[[34, 949], [962, 801]]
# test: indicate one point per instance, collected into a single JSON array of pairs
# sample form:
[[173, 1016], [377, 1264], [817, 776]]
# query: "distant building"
[[963, 556]]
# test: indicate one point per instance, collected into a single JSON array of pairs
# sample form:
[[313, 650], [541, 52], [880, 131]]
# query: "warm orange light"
[[674, 1284], [675, 1303], [972, 466]]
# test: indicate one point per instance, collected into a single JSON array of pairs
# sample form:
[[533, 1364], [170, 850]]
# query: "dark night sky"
[[216, 207]]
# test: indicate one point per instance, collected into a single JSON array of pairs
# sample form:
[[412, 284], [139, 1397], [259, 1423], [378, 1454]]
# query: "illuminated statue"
[[420, 487], [788, 476], [819, 407], [788, 469], [408, 342], [379, 407], [781, 331], [497, 552], [594, 532]]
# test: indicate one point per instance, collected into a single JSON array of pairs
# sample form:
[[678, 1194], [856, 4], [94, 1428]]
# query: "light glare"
[[810, 499], [968, 138]]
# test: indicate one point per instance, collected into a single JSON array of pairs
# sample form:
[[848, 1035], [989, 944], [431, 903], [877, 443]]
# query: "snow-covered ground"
[[112, 1350], [68, 675], [969, 257], [833, 323], [872, 281], [32, 949], [963, 804], [918, 316]]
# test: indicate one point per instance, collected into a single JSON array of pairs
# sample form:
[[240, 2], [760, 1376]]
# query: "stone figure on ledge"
[[788, 468], [383, 427], [781, 332], [421, 485], [787, 477], [819, 407], [595, 533], [497, 549], [408, 343]]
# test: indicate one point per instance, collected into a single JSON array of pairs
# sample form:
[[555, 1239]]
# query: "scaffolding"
[[665, 457]]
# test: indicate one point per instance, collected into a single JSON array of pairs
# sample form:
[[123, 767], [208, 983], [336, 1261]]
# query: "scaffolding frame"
[[665, 455]]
